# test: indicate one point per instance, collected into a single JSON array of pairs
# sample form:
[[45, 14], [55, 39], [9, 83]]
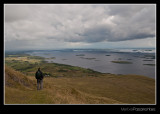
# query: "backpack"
[[38, 75]]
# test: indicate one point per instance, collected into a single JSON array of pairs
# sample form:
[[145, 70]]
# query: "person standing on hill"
[[39, 77]]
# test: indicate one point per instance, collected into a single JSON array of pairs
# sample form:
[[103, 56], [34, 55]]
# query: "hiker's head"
[[38, 68]]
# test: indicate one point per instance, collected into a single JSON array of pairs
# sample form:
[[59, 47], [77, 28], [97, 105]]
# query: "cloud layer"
[[85, 24]]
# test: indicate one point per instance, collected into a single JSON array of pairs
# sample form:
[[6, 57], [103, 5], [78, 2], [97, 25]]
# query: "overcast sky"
[[79, 26]]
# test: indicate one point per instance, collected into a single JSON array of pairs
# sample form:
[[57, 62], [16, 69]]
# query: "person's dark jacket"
[[39, 75]]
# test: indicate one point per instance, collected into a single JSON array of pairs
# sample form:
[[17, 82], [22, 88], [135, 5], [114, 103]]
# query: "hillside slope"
[[20, 89], [16, 79], [106, 89]]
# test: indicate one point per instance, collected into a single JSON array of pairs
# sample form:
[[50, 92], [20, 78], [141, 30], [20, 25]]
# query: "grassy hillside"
[[22, 89], [72, 85], [109, 89]]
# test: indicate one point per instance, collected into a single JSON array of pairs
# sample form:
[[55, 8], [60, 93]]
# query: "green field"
[[71, 85]]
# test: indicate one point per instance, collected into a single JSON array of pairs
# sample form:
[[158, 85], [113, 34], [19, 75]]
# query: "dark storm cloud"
[[96, 34]]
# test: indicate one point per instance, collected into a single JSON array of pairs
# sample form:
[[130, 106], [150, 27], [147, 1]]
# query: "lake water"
[[142, 60]]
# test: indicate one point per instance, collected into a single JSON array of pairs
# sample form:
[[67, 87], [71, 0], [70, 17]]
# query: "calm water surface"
[[100, 60]]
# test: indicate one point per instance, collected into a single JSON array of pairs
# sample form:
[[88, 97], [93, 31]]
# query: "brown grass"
[[106, 89]]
